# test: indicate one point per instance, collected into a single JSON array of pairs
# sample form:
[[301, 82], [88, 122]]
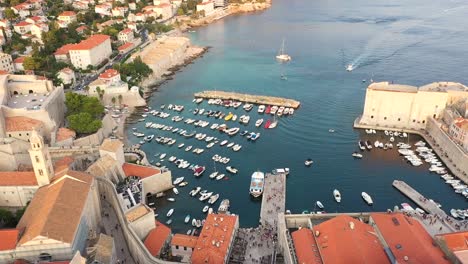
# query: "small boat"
[[219, 177], [231, 169], [259, 122], [319, 204], [367, 198], [357, 155], [171, 199], [229, 116], [267, 123], [182, 184], [188, 148], [195, 191], [308, 162], [178, 180], [168, 222], [199, 171], [162, 156], [224, 206], [261, 109], [337, 195], [205, 209], [213, 199], [187, 219], [349, 67], [171, 211], [175, 190], [268, 109], [194, 222]]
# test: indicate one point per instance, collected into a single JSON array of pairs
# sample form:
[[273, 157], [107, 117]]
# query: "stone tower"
[[40, 158]]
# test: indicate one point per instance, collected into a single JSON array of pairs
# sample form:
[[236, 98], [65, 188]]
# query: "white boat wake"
[[399, 36]]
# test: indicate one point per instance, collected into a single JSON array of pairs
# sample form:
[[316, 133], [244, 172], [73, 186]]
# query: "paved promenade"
[[258, 245]]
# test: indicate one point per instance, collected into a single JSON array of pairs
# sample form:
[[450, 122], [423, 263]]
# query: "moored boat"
[[171, 211], [231, 169], [319, 204], [257, 183], [337, 195], [367, 198]]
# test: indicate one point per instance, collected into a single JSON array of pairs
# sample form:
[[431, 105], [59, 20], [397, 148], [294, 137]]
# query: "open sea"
[[405, 41]]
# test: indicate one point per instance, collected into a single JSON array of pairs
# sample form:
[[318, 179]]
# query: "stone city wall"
[[108, 124]]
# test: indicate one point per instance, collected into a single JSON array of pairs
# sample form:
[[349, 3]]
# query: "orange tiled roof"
[[156, 238], [21, 123], [205, 3], [18, 178], [126, 31], [64, 49], [109, 73], [63, 163], [213, 243], [56, 209], [306, 247], [461, 123], [2, 72], [456, 241], [407, 238], [81, 28], [8, 239], [19, 59], [163, 5], [65, 133], [22, 24], [344, 239], [90, 42], [125, 46], [139, 171], [67, 13], [184, 240]]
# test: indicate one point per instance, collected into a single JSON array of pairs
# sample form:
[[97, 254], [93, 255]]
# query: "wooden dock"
[[249, 98]]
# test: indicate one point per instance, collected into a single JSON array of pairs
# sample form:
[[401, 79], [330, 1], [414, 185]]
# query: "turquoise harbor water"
[[412, 42]]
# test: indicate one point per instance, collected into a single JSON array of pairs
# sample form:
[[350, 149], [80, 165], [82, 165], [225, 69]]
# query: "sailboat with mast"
[[283, 57]]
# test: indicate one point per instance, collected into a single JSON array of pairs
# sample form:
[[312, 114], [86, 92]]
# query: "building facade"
[[6, 63], [92, 51]]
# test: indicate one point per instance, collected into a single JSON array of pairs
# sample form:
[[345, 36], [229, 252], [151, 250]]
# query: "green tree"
[[84, 123], [78, 103], [7, 218], [180, 11], [9, 14]]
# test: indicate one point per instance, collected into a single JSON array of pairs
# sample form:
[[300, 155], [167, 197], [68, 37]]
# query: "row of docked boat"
[[275, 110], [458, 186], [267, 109], [177, 108], [459, 213]]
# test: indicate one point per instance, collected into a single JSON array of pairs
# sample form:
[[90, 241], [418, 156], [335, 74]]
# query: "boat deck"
[[249, 98]]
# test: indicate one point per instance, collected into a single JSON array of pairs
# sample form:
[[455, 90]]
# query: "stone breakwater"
[[249, 98]]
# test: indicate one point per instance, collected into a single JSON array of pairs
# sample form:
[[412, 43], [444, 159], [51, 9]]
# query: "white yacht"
[[337, 195], [257, 183], [175, 190], [170, 213], [319, 204], [283, 57], [178, 180], [259, 122], [231, 169], [261, 109], [367, 198]]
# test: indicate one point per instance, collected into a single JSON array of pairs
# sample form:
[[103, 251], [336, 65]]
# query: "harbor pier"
[[258, 245], [428, 206], [249, 98]]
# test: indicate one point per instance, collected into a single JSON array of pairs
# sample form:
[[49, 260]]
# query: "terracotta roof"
[[81, 28], [156, 238], [56, 209], [306, 247], [67, 70], [111, 145], [407, 239], [139, 171], [17, 178], [90, 42], [205, 3], [125, 46], [2, 72], [344, 239], [21, 123], [213, 243], [64, 133], [67, 13], [64, 49], [126, 31], [461, 123], [8, 239], [63, 163], [19, 59], [22, 24], [184, 240], [163, 5], [109, 73], [136, 213], [455, 241]]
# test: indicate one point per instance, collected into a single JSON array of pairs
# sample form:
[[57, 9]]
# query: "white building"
[[207, 7], [6, 63], [92, 51], [126, 35], [67, 76], [39, 28], [458, 130], [22, 27], [65, 18]]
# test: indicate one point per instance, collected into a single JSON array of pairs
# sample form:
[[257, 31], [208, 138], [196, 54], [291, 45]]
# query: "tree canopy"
[[136, 70], [83, 113]]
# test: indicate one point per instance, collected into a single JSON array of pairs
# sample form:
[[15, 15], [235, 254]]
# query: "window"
[[185, 248], [19, 134], [399, 119], [177, 247], [385, 118], [414, 120], [424, 121], [37, 158], [371, 116], [41, 172]]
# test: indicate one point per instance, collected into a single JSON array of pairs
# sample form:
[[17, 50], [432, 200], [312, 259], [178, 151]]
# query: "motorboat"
[[231, 169], [171, 199], [319, 204], [205, 196], [162, 156], [172, 158], [281, 171], [273, 110], [199, 171], [187, 219], [368, 145], [230, 145], [195, 191], [149, 138], [213, 199], [243, 133], [171, 211], [194, 222], [205, 209], [168, 222], [220, 176], [224, 206], [357, 155], [178, 180], [210, 210], [229, 116], [259, 122], [188, 148], [349, 67], [261, 109], [254, 136], [224, 142], [199, 223], [273, 124], [367, 198], [175, 190], [407, 207], [257, 184], [232, 131], [268, 109], [213, 175], [267, 123], [361, 145], [182, 184], [247, 107], [337, 195], [308, 162], [236, 147]]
